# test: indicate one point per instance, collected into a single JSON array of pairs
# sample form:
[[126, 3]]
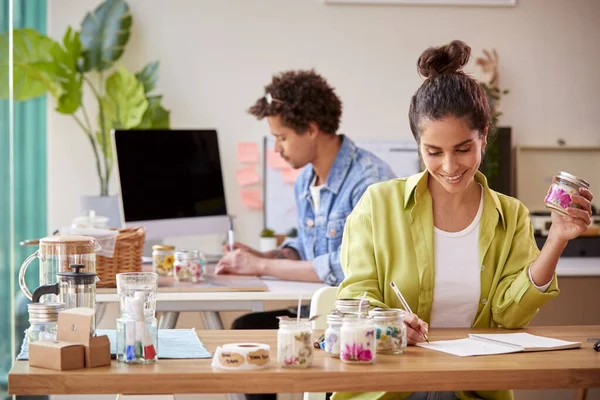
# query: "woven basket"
[[127, 257]]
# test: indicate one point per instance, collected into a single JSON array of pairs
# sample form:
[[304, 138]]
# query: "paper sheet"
[[247, 176], [468, 347], [247, 153], [251, 198]]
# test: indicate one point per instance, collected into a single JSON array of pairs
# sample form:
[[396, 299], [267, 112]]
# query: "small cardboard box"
[[74, 326], [54, 354]]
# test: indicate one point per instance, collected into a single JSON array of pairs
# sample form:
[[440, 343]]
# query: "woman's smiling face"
[[451, 152]]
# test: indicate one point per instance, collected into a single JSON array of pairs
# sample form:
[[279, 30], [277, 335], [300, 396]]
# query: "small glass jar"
[[163, 257], [188, 266], [390, 330], [351, 306], [357, 340], [294, 344], [558, 198], [332, 334], [43, 321]]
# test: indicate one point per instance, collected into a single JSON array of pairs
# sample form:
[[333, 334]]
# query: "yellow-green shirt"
[[389, 237]]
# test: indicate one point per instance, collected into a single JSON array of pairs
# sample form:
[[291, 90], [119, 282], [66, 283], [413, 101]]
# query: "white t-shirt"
[[457, 282], [315, 192]]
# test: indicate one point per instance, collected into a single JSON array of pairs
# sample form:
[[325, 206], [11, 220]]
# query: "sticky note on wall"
[[251, 198], [247, 176], [290, 175], [274, 160], [247, 153]]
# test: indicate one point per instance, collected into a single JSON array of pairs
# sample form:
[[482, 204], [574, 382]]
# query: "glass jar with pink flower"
[[559, 198], [294, 343], [357, 340]]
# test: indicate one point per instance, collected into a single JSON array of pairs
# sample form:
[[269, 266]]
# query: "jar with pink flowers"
[[357, 340], [559, 198]]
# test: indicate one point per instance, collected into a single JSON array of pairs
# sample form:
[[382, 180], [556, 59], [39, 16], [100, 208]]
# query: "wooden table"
[[417, 369]]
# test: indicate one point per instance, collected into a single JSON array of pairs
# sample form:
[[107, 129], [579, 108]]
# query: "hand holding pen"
[[417, 328], [230, 238]]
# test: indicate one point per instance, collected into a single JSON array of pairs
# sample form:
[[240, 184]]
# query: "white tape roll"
[[242, 356]]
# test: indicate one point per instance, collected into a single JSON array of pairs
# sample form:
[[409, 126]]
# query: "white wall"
[[216, 56]]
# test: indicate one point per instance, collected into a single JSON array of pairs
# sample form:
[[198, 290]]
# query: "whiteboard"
[[279, 203]]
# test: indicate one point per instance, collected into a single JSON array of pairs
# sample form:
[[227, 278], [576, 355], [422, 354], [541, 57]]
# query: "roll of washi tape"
[[242, 356]]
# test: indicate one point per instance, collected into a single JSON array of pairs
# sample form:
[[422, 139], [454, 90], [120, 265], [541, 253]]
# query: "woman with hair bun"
[[462, 254]]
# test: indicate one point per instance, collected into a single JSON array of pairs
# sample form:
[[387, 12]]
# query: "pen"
[[230, 234], [404, 303]]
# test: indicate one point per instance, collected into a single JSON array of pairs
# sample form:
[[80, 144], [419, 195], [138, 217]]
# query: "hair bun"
[[448, 59]]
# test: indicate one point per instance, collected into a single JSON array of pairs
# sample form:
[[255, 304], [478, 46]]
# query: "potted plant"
[[496, 164], [292, 233], [268, 241], [85, 60]]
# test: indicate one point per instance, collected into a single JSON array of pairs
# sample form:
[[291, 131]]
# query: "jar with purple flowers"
[[566, 185], [332, 334], [357, 340]]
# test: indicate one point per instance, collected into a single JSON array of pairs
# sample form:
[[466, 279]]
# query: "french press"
[[56, 255], [74, 289]]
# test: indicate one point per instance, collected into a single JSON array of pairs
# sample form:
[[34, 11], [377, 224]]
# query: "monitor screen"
[[169, 174]]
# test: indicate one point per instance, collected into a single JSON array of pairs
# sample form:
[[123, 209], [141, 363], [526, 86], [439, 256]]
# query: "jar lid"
[[572, 179], [335, 317], [44, 312], [163, 247], [288, 322], [385, 313], [68, 244], [187, 254], [352, 305]]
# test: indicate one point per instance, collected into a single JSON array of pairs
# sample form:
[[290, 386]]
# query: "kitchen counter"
[[578, 266]]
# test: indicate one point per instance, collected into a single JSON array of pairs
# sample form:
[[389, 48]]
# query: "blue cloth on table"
[[172, 343]]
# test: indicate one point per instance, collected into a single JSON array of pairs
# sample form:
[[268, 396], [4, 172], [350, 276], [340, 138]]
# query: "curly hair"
[[448, 91], [300, 97]]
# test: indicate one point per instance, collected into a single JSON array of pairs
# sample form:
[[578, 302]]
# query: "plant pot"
[[105, 206], [497, 163], [268, 244]]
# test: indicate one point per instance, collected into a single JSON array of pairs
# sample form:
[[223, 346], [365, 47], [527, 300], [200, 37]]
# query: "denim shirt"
[[320, 236]]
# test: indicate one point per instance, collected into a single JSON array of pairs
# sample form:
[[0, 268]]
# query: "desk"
[[210, 303], [417, 369]]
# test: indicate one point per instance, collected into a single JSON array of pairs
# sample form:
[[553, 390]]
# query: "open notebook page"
[[469, 347], [529, 342]]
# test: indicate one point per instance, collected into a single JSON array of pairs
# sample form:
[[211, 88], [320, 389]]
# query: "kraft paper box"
[[74, 326], [57, 355]]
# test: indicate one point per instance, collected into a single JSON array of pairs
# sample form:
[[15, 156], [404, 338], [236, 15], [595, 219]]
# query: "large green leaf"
[[104, 34], [69, 77], [123, 105], [148, 76], [34, 70], [155, 117]]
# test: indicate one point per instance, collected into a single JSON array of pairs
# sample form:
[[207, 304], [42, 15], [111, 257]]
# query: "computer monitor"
[[170, 182]]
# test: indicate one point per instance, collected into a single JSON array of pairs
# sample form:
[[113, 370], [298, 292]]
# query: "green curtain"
[[28, 193]]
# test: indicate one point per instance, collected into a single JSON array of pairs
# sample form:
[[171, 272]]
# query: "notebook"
[[498, 343]]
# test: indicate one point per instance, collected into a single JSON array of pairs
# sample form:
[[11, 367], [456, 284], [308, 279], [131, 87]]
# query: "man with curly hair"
[[303, 112]]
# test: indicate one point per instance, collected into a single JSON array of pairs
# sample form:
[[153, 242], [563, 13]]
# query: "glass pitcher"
[[57, 254]]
